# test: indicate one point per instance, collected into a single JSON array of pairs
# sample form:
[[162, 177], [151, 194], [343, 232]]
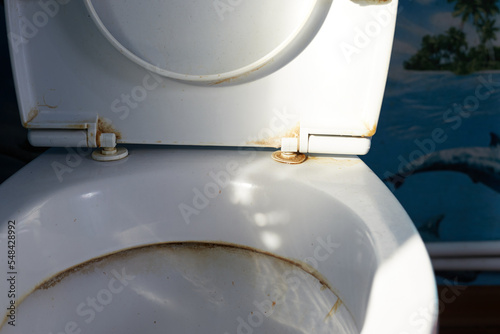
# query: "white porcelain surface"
[[332, 214], [202, 40]]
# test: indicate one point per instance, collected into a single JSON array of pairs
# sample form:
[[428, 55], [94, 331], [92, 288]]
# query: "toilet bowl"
[[206, 232], [307, 238]]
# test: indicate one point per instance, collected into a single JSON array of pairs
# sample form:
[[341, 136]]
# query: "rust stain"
[[90, 265], [241, 75], [337, 304], [289, 158], [275, 141], [104, 127], [334, 309], [274, 303], [76, 126], [83, 267], [46, 105], [31, 116], [320, 159], [371, 130], [87, 267], [371, 2]]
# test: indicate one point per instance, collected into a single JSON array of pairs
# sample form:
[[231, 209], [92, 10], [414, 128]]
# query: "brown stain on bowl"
[[195, 246], [105, 127], [334, 309], [83, 267]]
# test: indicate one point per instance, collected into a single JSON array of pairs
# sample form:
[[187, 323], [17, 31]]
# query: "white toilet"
[[210, 230]]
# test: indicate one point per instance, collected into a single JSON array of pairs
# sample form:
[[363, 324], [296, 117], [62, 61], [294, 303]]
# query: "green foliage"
[[445, 52], [450, 52]]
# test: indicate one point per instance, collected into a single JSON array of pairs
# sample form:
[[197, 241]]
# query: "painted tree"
[[469, 10], [446, 51], [481, 13], [488, 29], [488, 35]]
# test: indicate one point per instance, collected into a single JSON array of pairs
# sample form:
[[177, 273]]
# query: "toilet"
[[204, 173]]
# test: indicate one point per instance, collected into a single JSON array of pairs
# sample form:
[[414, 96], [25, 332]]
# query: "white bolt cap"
[[108, 140], [289, 145]]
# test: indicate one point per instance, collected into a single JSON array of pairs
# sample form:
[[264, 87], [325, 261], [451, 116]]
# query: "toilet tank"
[[221, 73]]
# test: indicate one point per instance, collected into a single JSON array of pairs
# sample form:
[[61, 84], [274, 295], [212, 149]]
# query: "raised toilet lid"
[[210, 73]]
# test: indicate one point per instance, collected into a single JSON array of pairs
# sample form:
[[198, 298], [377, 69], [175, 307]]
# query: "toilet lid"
[[205, 73], [200, 40]]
